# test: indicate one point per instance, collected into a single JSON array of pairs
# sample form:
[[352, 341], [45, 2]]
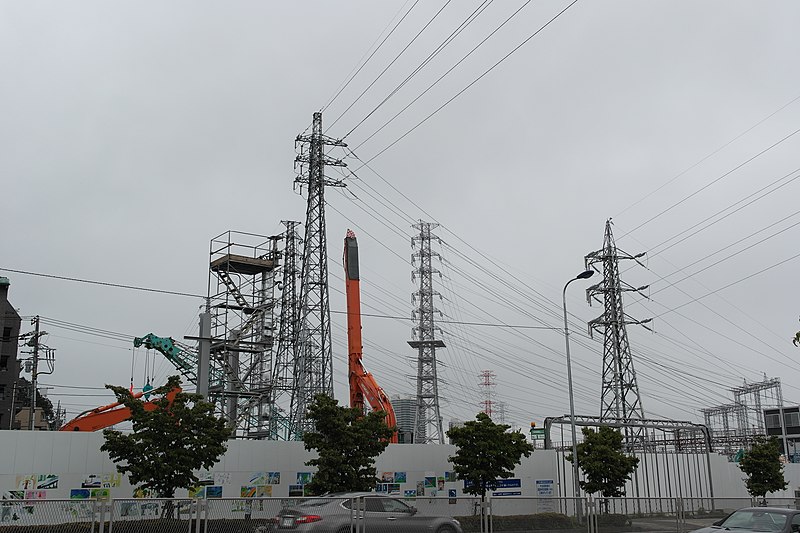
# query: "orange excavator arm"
[[108, 415], [362, 384]]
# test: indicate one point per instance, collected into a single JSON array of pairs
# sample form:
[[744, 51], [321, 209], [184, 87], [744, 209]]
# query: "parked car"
[[771, 519], [337, 513]]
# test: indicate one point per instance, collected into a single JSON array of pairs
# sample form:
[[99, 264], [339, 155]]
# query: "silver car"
[[363, 512], [757, 519]]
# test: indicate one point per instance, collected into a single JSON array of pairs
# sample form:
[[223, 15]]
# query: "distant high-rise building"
[[405, 409], [454, 423], [9, 364]]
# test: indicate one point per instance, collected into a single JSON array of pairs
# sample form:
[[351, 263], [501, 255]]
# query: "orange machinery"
[[362, 383], [108, 415]]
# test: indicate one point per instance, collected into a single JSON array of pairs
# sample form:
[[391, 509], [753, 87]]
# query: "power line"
[[462, 323], [440, 78], [734, 254], [715, 152], [706, 186], [473, 82], [102, 283], [392, 62], [779, 263], [364, 64], [72, 386], [776, 186], [450, 38]]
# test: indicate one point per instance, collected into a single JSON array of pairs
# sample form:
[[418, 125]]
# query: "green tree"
[[604, 463], [762, 465], [22, 401], [347, 442], [168, 443], [485, 453]]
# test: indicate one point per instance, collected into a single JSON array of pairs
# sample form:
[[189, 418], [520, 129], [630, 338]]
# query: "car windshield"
[[755, 520]]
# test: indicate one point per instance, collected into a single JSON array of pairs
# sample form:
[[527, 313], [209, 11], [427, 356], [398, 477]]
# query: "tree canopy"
[[762, 465], [603, 461], [167, 444], [347, 442], [22, 400], [486, 452]]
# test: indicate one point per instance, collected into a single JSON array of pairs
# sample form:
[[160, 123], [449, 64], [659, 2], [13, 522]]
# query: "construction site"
[[264, 347]]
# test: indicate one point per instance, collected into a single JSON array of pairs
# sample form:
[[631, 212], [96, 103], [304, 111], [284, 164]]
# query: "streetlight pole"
[[576, 488]]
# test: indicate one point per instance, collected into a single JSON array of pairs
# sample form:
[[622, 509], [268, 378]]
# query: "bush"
[[613, 520], [539, 521]]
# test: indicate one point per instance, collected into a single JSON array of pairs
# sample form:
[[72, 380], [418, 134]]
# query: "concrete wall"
[[74, 457]]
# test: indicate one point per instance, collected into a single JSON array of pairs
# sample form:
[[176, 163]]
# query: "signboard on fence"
[[544, 488], [513, 483], [537, 434]]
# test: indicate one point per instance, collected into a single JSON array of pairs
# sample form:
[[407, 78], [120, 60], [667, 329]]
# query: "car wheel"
[[344, 529], [446, 529]]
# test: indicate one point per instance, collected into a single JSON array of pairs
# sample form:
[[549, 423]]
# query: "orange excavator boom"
[[362, 384], [108, 415]]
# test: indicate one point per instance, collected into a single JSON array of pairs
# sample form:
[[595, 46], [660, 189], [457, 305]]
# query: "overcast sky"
[[134, 132]]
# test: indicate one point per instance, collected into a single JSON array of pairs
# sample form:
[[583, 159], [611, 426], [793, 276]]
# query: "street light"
[[583, 275]]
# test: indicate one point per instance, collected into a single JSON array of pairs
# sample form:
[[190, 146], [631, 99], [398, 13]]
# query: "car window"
[[394, 506], [373, 505], [739, 519], [779, 519], [756, 520], [314, 503], [796, 522]]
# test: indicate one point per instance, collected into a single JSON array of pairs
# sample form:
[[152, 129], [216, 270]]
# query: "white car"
[[757, 519], [369, 512]]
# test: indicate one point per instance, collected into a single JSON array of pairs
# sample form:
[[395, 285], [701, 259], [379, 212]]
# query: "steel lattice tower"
[[620, 397], [754, 397], [428, 421], [488, 391], [283, 384], [312, 351]]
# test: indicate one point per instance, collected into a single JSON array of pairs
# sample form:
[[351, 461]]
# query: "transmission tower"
[[620, 397], [283, 384], [487, 377], [428, 420], [312, 352]]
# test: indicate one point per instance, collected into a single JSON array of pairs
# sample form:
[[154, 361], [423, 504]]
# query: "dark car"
[[342, 513], [761, 519]]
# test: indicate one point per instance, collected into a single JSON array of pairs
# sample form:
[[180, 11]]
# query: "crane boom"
[[363, 385], [108, 415]]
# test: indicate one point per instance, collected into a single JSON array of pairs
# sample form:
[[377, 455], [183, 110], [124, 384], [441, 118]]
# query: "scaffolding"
[[241, 295]]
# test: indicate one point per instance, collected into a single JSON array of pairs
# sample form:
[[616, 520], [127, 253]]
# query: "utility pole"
[[34, 372], [13, 404]]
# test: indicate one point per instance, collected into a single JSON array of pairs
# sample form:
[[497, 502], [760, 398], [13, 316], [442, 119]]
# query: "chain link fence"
[[372, 514], [49, 516]]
